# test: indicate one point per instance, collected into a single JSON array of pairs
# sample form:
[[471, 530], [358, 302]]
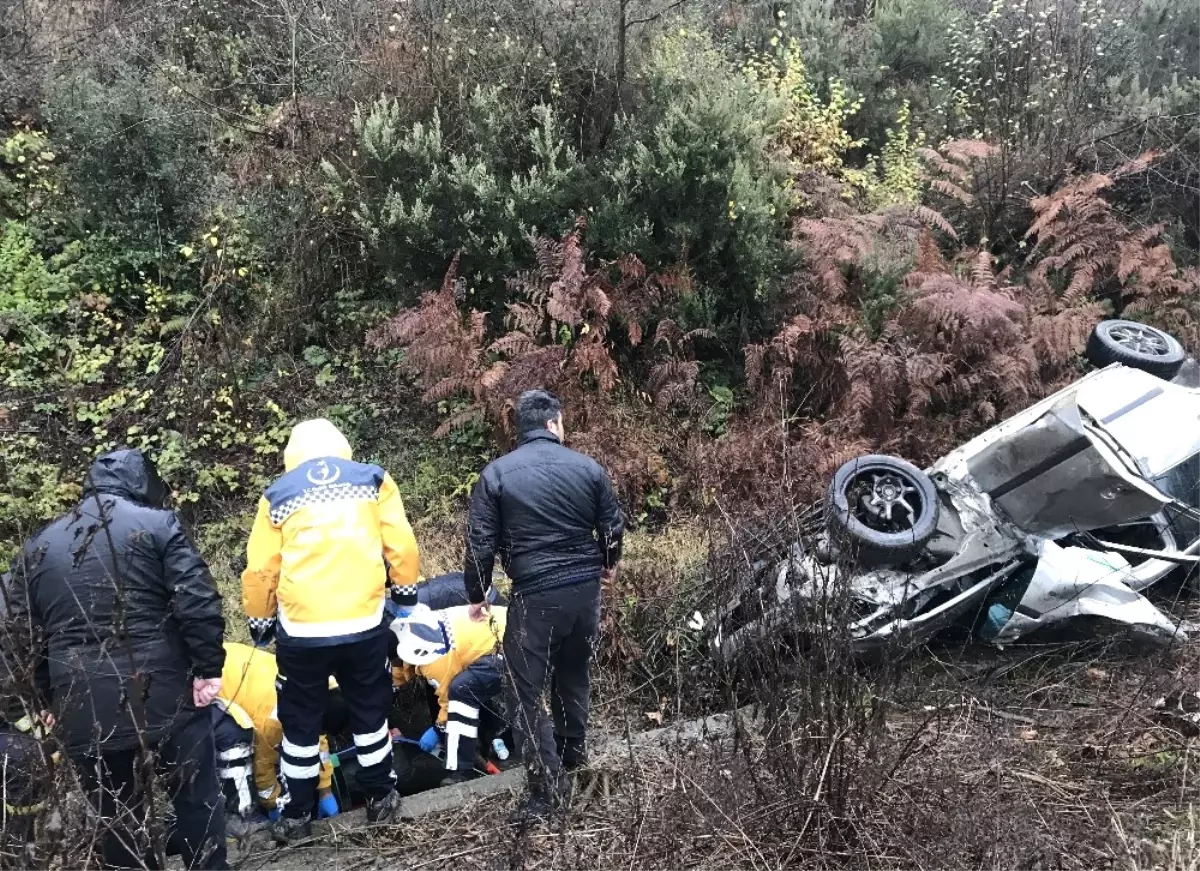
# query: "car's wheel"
[[1137, 346], [885, 507]]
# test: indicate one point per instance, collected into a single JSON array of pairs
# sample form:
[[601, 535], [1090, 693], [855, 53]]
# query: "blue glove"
[[327, 807], [430, 740], [274, 813]]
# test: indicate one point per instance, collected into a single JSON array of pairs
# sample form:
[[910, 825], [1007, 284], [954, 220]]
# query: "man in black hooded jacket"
[[125, 630]]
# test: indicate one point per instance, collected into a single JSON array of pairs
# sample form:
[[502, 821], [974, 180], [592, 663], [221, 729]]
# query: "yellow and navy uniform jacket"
[[316, 555], [470, 641], [247, 695]]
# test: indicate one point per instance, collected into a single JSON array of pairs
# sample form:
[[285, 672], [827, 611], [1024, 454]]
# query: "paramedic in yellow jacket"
[[247, 733], [316, 580], [461, 659]]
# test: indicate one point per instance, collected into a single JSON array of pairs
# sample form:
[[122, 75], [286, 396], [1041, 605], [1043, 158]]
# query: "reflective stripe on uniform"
[[239, 751], [464, 710], [300, 752], [240, 775], [375, 756], [456, 728], [454, 731], [373, 747], [374, 737], [299, 772], [23, 810]]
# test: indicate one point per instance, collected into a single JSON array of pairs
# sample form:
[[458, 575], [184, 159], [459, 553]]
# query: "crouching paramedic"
[[316, 581], [247, 733], [461, 659]]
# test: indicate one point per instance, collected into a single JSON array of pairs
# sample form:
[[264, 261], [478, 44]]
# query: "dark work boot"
[[545, 797], [537, 807], [288, 830], [572, 752], [565, 788], [384, 810]]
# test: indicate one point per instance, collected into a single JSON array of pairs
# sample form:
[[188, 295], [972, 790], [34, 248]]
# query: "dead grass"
[[1069, 771], [1045, 755]]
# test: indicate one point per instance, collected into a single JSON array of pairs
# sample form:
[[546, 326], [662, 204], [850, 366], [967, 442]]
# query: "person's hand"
[[477, 611], [327, 807], [608, 576], [430, 740], [204, 690], [47, 719]]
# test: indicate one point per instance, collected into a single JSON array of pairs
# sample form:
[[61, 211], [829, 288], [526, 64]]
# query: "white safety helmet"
[[421, 638]]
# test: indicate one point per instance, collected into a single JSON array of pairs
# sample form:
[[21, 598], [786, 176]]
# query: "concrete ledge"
[[257, 851]]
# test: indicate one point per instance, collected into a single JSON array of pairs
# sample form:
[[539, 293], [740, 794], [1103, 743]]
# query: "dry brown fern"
[[558, 334], [1086, 250], [951, 170], [961, 349], [443, 347]]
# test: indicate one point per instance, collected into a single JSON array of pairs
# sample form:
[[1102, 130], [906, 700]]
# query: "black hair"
[[535, 409]]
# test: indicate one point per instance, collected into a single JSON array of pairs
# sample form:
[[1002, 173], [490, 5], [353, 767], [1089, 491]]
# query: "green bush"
[[138, 150], [694, 177], [419, 199]]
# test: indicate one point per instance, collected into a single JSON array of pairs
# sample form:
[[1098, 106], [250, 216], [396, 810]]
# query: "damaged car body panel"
[[1067, 509], [1053, 477], [1077, 582]]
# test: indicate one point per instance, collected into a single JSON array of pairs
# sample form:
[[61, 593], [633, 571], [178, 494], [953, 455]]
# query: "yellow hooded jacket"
[[248, 695], [315, 558], [470, 640]]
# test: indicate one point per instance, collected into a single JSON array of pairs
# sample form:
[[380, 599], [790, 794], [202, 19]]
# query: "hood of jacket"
[[312, 440], [130, 474]]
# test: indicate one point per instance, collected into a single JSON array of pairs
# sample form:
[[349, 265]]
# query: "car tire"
[[858, 519], [1137, 346]]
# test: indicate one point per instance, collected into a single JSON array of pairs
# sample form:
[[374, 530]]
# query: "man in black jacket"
[[550, 514], [124, 626]]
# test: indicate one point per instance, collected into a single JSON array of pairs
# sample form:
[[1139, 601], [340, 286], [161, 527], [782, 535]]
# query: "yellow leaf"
[[186, 251], [214, 241]]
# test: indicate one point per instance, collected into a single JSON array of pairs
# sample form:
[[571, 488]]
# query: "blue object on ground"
[[997, 616], [430, 740], [327, 807]]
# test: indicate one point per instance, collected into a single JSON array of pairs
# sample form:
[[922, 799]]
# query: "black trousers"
[[364, 676], [450, 591], [186, 760], [547, 650], [472, 692]]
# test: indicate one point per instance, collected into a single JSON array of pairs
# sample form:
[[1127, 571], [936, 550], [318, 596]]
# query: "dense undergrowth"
[[746, 241]]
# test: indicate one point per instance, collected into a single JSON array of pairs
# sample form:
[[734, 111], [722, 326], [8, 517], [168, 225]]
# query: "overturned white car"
[[1070, 508]]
